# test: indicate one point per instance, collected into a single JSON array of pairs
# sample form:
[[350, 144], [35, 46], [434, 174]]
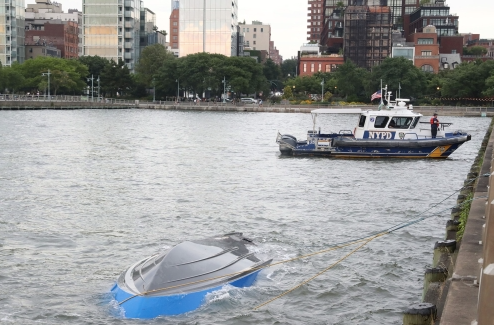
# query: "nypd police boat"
[[392, 131], [178, 279]]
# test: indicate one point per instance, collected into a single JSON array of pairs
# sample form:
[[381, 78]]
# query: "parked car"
[[248, 100]]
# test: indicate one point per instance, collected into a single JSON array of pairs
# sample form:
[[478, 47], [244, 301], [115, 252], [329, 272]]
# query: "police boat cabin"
[[394, 131]]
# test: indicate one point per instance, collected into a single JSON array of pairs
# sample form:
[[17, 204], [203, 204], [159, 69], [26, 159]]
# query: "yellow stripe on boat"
[[437, 153]]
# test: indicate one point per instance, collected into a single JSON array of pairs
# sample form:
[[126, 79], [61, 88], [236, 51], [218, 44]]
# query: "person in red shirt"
[[434, 125]]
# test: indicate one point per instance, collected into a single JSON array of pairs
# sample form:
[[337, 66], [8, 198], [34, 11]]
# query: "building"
[[149, 33], [33, 51], [400, 8], [257, 36], [315, 20], [274, 54], [174, 27], [208, 27], [426, 49], [64, 35], [111, 29], [12, 32], [367, 35], [332, 33], [47, 11], [312, 60]]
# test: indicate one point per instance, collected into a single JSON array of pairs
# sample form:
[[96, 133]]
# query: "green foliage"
[[289, 67], [351, 79], [271, 70], [468, 80], [287, 92], [396, 72], [475, 50], [12, 80], [327, 96], [465, 210], [151, 59], [116, 79]]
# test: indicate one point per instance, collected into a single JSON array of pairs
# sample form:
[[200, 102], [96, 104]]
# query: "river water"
[[86, 193]]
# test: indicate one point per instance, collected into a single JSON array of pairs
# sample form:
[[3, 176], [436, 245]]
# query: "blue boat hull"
[[147, 307]]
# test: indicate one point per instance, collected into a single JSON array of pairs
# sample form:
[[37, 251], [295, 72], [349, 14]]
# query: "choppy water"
[[83, 194]]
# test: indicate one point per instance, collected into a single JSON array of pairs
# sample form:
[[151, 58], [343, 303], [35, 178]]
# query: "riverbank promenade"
[[78, 102]]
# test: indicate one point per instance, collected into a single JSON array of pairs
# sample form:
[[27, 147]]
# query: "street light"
[[48, 74], [154, 90], [322, 90], [224, 89], [98, 87], [178, 90], [92, 87]]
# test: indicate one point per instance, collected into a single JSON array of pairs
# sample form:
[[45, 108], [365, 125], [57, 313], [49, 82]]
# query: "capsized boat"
[[392, 131], [177, 280]]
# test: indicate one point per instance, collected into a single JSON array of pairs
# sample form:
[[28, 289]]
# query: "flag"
[[375, 95]]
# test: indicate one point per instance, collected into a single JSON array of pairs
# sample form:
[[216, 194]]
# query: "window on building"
[[425, 41], [426, 53], [328, 69], [175, 23], [320, 67], [312, 67], [305, 67], [262, 30], [254, 42], [427, 68], [254, 36]]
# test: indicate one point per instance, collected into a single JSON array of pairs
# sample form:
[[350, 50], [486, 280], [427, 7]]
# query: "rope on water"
[[364, 240]]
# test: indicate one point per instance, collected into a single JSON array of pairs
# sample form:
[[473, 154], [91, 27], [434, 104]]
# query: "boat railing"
[[411, 133], [442, 126]]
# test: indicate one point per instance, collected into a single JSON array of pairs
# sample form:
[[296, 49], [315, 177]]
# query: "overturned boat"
[[177, 280], [392, 131]]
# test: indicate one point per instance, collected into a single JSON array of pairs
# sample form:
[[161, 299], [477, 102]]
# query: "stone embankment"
[[75, 102], [459, 287]]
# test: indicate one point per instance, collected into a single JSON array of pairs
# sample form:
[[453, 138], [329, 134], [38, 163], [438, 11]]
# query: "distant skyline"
[[289, 20]]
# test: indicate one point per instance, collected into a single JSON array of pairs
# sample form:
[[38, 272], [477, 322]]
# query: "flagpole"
[[382, 92], [399, 90]]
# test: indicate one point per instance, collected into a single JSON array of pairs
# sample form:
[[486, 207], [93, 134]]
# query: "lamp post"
[[154, 90], [48, 74], [178, 90], [92, 87], [98, 87], [322, 90], [224, 90]]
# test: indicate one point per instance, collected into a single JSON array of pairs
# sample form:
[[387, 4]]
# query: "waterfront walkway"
[[78, 102]]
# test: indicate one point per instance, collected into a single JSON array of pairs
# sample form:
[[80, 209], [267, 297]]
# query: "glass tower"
[[111, 29], [208, 26], [11, 31]]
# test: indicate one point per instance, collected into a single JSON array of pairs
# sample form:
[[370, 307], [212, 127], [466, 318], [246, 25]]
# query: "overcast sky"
[[288, 19]]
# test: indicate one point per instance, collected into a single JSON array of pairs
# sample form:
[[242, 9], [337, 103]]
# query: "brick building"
[[61, 34], [174, 27], [315, 20], [311, 60]]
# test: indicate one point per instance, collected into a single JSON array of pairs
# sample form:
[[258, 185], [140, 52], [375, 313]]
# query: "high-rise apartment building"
[[111, 29], [12, 32], [256, 35], [367, 35], [174, 26], [208, 26], [315, 20]]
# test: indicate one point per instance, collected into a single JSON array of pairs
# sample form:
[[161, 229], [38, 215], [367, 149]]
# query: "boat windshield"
[[361, 122], [400, 122]]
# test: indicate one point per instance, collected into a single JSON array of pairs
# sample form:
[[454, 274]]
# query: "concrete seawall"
[[452, 295], [220, 107]]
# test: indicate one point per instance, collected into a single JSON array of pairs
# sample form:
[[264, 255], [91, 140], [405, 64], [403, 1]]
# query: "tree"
[[12, 80], [350, 79], [271, 70], [116, 79], [289, 68], [396, 73], [287, 92], [475, 50], [151, 59], [95, 64], [468, 80], [32, 71]]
